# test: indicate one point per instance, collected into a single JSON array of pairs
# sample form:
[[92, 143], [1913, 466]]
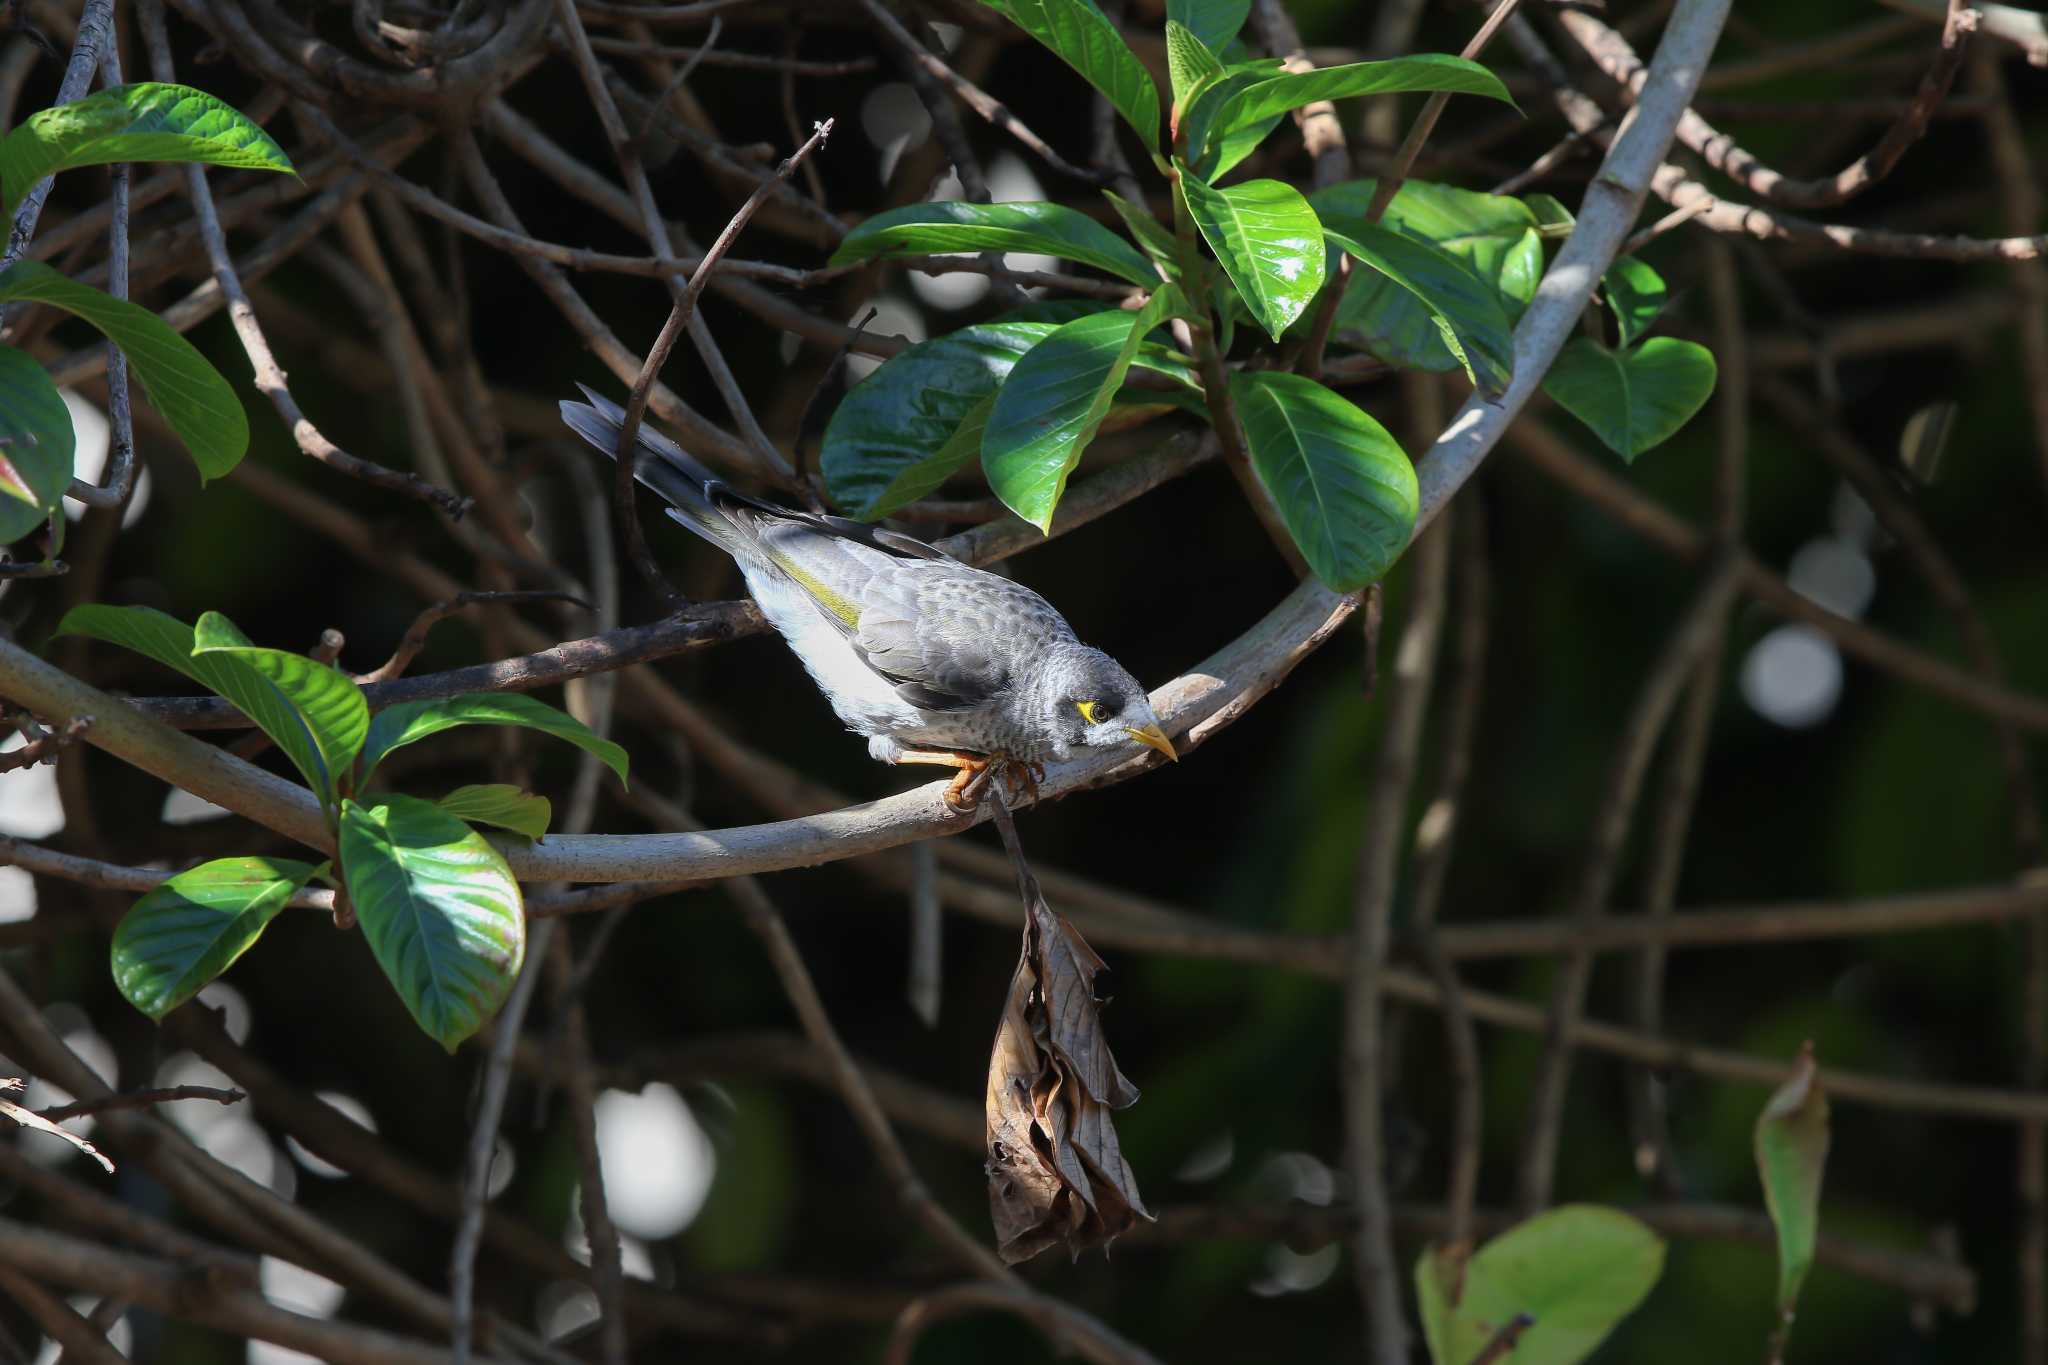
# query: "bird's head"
[[1089, 700]]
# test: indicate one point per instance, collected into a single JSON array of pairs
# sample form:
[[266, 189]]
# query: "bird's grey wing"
[[950, 637]]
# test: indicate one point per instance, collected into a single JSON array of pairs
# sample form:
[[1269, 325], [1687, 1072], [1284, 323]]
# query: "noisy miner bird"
[[934, 661]]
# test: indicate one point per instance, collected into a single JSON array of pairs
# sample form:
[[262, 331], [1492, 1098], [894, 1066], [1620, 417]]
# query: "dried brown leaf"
[[1056, 1172]]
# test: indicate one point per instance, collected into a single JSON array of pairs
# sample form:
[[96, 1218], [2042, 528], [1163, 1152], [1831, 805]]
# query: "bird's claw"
[[966, 791]]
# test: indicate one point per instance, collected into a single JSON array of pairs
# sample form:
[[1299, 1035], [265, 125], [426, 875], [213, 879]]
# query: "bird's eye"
[[1091, 711]]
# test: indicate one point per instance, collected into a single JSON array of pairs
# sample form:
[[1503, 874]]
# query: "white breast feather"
[[863, 699]]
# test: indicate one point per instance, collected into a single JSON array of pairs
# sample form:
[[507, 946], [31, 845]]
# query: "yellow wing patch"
[[843, 608]]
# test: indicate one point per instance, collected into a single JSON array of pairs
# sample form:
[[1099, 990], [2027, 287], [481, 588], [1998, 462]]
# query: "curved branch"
[[1613, 200], [1195, 705]]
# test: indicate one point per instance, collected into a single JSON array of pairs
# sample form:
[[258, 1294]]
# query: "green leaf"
[[1235, 144], [1465, 308], [1201, 110], [1268, 240], [1054, 401], [148, 121], [439, 908], [1214, 22], [1343, 487], [1633, 400], [327, 701], [172, 643], [892, 438], [1188, 60], [1636, 295], [145, 122], [412, 721], [1494, 236], [1791, 1158], [1576, 1271], [37, 443], [500, 804], [952, 226], [1424, 71], [1551, 215], [1082, 36], [1154, 236], [186, 389], [190, 929]]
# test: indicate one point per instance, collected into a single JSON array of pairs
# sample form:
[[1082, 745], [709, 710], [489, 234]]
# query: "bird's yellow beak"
[[1152, 737]]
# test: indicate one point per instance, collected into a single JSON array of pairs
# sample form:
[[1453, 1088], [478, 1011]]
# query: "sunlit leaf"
[[143, 122], [1575, 1272], [952, 226], [1053, 403], [328, 703], [189, 930], [182, 384], [902, 431], [412, 721], [172, 643], [1636, 399], [500, 804], [1342, 484], [1188, 60], [1084, 38], [1635, 294], [439, 908], [1426, 71], [1465, 307], [1154, 236], [1268, 240]]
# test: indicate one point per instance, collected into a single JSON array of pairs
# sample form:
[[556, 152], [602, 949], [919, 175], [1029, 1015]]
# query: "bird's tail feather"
[[663, 466]]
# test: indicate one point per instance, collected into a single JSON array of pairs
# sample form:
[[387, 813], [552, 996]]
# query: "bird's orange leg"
[[962, 793]]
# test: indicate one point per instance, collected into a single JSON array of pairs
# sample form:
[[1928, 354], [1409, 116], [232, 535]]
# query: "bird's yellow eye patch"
[[1091, 711]]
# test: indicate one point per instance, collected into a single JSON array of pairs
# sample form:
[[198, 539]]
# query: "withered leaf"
[[1056, 1174]]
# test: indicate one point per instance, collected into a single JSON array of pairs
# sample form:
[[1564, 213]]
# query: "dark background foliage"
[[1891, 791]]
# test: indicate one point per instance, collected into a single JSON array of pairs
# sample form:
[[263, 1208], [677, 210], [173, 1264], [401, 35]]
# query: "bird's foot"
[[963, 793]]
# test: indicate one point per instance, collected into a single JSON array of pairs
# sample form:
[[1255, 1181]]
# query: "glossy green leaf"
[[500, 804], [172, 643], [1494, 236], [1189, 60], [190, 929], [892, 439], [1635, 295], [1465, 308], [1267, 239], [37, 443], [145, 122], [1343, 486], [1234, 145], [439, 908], [1426, 71], [1551, 214], [1791, 1158], [1054, 401], [1214, 22], [1082, 36], [1575, 1271], [1155, 237], [1636, 399], [182, 384], [1201, 111], [952, 226], [328, 703], [412, 721]]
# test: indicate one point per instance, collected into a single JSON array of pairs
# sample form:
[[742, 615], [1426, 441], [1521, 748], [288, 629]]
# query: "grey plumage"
[[912, 648]]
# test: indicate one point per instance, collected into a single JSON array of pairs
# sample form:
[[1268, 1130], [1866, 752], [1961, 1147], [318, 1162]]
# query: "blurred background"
[[733, 1169]]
